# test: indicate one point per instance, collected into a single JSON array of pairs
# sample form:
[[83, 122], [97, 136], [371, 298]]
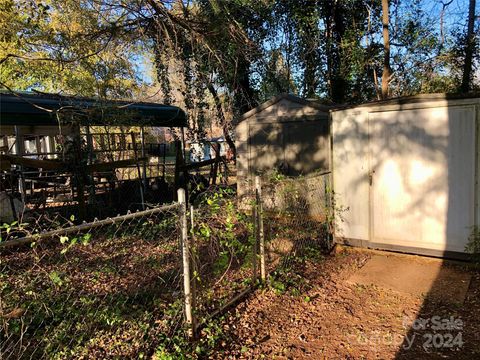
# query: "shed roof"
[[285, 96], [326, 108], [409, 100], [43, 109]]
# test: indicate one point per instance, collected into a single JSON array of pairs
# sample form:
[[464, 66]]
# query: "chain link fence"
[[297, 218], [129, 286], [238, 243], [106, 289], [223, 257]]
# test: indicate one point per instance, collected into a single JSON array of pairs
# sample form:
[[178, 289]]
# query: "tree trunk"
[[223, 120], [372, 64], [310, 48], [339, 83], [329, 51], [309, 73], [386, 45], [334, 32], [244, 95], [469, 49]]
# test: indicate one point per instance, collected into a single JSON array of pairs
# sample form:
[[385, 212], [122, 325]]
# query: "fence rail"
[[85, 226]]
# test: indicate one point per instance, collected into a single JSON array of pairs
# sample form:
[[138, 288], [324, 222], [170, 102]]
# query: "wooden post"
[[184, 155], [139, 175], [51, 150], [186, 261], [261, 236], [90, 162], [215, 146], [164, 159], [179, 166], [78, 169], [144, 167], [19, 150], [225, 173]]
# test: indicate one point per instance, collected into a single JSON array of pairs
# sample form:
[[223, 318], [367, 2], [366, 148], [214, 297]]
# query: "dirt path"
[[320, 315]]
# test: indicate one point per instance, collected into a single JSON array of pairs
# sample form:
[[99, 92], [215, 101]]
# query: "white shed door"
[[422, 165]]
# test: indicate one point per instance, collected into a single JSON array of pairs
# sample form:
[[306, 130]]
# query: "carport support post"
[[186, 261], [261, 235], [90, 162], [144, 167], [19, 151]]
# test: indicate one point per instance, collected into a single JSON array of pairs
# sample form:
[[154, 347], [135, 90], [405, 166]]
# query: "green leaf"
[[86, 239], [56, 279]]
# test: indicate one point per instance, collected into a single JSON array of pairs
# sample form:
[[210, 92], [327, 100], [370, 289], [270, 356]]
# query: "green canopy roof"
[[49, 109]]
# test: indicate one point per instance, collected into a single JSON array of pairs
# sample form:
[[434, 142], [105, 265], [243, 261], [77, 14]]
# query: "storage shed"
[[286, 133], [405, 173]]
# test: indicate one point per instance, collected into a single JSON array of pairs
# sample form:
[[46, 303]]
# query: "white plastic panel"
[[350, 174], [422, 191]]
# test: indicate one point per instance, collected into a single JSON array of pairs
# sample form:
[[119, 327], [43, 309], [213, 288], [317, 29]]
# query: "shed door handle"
[[370, 177]]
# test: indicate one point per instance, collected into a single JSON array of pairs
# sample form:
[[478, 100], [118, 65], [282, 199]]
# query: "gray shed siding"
[[286, 133]]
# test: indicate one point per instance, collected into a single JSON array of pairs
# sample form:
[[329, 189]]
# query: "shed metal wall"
[[405, 175], [285, 130]]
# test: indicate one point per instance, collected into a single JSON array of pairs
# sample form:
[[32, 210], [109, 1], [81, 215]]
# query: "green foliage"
[[7, 228], [275, 176], [177, 346], [9, 231], [56, 278], [473, 245], [65, 46], [70, 242], [226, 227], [289, 278]]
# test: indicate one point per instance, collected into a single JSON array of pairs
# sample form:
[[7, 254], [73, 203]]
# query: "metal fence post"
[[256, 240], [261, 235], [194, 260], [186, 261]]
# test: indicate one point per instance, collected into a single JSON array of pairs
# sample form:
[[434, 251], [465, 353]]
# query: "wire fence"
[[128, 286], [223, 256], [238, 243], [109, 288], [297, 218]]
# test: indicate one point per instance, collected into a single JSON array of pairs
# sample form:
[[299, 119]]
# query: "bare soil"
[[325, 317]]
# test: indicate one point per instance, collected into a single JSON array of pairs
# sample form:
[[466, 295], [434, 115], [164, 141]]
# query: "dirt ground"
[[325, 317]]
